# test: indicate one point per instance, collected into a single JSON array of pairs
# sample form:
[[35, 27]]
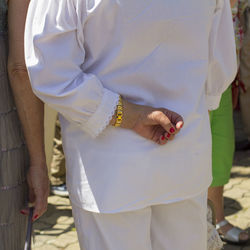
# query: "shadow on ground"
[[55, 221], [242, 158], [231, 206]]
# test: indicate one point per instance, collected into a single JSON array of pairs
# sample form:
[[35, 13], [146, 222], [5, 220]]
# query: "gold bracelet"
[[119, 113]]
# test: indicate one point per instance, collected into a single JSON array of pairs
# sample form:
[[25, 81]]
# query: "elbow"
[[17, 72]]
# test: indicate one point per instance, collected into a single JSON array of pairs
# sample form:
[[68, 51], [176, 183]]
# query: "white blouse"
[[81, 54]]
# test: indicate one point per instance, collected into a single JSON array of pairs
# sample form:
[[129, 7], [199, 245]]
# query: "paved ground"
[[55, 230]]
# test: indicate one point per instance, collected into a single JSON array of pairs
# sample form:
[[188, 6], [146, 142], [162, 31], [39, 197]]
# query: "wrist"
[[129, 116]]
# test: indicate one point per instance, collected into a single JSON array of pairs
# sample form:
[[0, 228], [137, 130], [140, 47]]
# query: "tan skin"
[[156, 124], [30, 109], [215, 194]]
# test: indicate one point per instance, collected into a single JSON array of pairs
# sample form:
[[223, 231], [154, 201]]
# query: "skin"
[[233, 2], [157, 124], [215, 194], [30, 109]]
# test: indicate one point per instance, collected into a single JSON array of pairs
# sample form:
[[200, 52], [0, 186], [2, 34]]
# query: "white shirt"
[[81, 54]]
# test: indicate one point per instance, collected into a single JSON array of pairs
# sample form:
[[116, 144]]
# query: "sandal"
[[232, 235]]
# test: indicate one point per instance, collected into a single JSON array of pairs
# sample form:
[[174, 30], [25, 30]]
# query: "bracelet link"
[[119, 113]]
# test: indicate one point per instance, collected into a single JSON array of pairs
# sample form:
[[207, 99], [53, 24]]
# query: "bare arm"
[[30, 108], [233, 2]]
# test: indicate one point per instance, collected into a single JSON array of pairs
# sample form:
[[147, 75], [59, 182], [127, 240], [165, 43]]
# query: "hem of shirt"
[[139, 207], [213, 102], [104, 113]]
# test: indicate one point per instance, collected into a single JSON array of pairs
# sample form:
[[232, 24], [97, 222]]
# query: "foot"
[[230, 233], [60, 190]]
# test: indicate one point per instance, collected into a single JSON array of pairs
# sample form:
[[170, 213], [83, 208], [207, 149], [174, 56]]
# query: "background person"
[[57, 168], [245, 78], [16, 160], [222, 127]]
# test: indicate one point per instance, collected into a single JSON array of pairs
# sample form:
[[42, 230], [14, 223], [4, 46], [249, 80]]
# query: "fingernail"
[[168, 135], [162, 137], [36, 216], [22, 212], [181, 125], [172, 130]]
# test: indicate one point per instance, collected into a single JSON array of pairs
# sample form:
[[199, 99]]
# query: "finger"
[[31, 194], [175, 118], [163, 140], [179, 125], [162, 119], [158, 135], [40, 208], [24, 211], [169, 137], [31, 197]]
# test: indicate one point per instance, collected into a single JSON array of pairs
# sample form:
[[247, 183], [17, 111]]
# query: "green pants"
[[222, 127]]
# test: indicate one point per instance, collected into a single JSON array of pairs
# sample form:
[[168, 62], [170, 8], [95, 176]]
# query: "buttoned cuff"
[[104, 113], [213, 101]]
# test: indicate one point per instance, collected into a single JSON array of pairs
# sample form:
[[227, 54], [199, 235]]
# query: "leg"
[[245, 74], [222, 156], [181, 225], [123, 231], [58, 171], [222, 129], [215, 194], [49, 132], [245, 111]]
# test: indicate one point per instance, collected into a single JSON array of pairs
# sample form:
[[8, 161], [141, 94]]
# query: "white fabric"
[[81, 54], [175, 226]]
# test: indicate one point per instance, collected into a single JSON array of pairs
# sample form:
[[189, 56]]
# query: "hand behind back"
[[156, 124]]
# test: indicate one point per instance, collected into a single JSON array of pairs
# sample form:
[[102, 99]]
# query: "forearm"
[[30, 110], [233, 2], [29, 107]]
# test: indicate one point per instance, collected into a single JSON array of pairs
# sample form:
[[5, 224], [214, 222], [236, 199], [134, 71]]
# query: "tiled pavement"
[[237, 196], [55, 230]]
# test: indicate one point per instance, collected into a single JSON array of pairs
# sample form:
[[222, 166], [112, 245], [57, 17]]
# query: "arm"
[[233, 2], [222, 66], [54, 54], [30, 108]]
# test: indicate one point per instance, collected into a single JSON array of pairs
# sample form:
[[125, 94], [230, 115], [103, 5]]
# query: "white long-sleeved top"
[[81, 54]]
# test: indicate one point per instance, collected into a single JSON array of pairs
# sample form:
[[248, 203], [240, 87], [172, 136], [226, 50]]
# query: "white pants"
[[176, 226]]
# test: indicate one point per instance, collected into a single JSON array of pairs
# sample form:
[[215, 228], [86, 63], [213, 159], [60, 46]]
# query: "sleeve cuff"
[[104, 113], [213, 102]]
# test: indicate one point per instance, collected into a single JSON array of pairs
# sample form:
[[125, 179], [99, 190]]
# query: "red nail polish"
[[162, 137], [168, 135], [172, 130], [22, 212], [181, 125], [36, 216]]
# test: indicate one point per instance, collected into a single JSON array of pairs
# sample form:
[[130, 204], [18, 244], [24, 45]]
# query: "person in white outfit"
[[125, 76]]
